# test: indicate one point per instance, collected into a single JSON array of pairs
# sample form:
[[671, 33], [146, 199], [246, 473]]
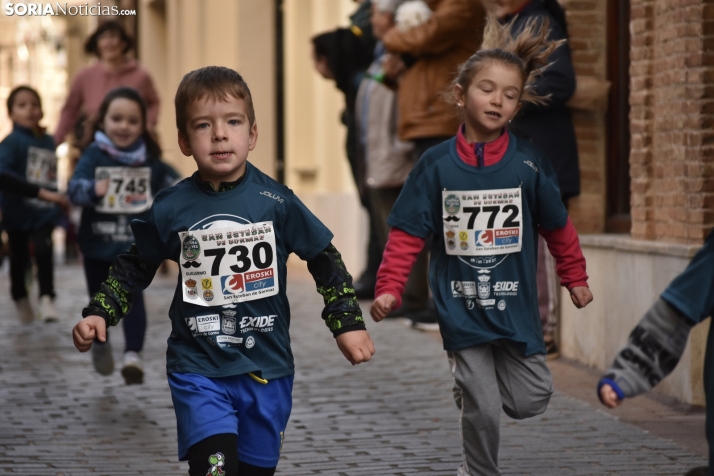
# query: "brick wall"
[[672, 119], [587, 28]]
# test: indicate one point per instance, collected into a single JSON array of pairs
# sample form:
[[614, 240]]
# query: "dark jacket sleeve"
[[13, 184], [342, 312], [128, 275], [558, 79]]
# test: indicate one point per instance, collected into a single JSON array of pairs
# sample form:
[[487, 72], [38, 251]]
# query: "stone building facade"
[[670, 159]]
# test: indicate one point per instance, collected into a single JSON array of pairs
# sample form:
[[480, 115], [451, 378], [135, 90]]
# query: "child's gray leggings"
[[487, 378]]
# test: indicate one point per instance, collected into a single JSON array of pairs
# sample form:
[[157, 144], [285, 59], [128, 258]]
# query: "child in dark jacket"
[[28, 152], [115, 181]]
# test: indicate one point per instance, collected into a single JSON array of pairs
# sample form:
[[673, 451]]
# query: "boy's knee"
[[529, 406]]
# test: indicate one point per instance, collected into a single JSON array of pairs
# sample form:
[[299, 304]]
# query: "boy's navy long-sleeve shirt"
[[230, 314]]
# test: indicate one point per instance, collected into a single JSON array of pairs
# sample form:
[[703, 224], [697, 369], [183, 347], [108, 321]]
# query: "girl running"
[[485, 196], [115, 181]]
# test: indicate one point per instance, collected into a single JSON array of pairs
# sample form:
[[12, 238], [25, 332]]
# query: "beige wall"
[[316, 164], [178, 36]]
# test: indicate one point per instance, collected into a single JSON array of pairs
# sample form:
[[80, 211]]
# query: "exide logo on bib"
[[255, 280]]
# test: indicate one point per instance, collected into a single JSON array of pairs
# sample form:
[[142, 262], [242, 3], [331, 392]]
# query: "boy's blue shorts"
[[258, 413]]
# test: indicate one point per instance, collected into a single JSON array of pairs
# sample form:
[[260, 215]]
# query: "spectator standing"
[[111, 44], [387, 159], [541, 124], [342, 56], [436, 47]]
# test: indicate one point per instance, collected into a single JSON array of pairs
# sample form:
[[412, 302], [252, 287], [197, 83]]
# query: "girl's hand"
[[382, 306], [581, 296], [609, 397], [356, 346], [58, 198], [101, 187], [88, 329]]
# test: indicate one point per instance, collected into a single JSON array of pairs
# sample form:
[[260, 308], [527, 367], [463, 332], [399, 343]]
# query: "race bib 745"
[[482, 222]]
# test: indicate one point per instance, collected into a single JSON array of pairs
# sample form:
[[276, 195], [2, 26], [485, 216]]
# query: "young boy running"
[[231, 229]]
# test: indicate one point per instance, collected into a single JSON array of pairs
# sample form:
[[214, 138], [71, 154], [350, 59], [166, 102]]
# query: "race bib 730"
[[482, 222], [232, 264]]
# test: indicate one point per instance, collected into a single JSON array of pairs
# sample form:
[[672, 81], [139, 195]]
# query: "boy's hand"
[[101, 187], [87, 330], [609, 397], [382, 306], [356, 346], [581, 296]]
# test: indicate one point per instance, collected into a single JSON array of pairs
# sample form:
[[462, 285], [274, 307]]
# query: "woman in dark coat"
[[550, 128]]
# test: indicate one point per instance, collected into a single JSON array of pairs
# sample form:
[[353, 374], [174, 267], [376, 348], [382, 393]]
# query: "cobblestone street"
[[392, 416]]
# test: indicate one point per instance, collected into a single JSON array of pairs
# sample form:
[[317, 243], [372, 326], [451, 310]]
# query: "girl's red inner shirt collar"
[[493, 151]]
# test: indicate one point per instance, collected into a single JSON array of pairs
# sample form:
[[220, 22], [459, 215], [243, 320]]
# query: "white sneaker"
[[47, 309], [24, 310], [133, 368], [102, 357]]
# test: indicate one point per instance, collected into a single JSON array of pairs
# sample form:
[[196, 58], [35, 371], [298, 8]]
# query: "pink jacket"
[[92, 83]]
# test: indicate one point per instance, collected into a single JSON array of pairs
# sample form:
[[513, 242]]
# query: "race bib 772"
[[482, 222]]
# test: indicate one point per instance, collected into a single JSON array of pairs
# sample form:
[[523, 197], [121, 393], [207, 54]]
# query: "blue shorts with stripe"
[[256, 412]]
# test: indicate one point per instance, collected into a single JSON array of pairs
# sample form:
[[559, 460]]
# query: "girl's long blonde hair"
[[528, 52]]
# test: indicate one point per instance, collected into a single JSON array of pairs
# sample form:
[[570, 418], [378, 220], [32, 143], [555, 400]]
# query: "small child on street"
[[115, 181], [657, 342], [484, 196], [28, 152], [231, 229]]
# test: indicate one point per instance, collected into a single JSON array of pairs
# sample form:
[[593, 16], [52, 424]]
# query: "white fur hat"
[[412, 13], [387, 5]]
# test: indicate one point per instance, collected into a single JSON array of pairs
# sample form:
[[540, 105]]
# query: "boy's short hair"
[[216, 82], [13, 95]]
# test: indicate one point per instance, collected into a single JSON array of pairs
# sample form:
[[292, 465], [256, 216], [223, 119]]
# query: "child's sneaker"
[[133, 369], [24, 310], [47, 309], [102, 357]]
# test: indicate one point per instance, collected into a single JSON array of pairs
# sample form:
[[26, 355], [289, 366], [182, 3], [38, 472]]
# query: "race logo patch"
[[190, 248], [209, 324], [191, 323], [228, 325], [232, 284], [506, 236], [191, 290], [228, 341], [256, 280], [484, 237]]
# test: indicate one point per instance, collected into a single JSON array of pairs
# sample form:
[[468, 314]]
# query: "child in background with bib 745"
[[484, 196], [115, 181]]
